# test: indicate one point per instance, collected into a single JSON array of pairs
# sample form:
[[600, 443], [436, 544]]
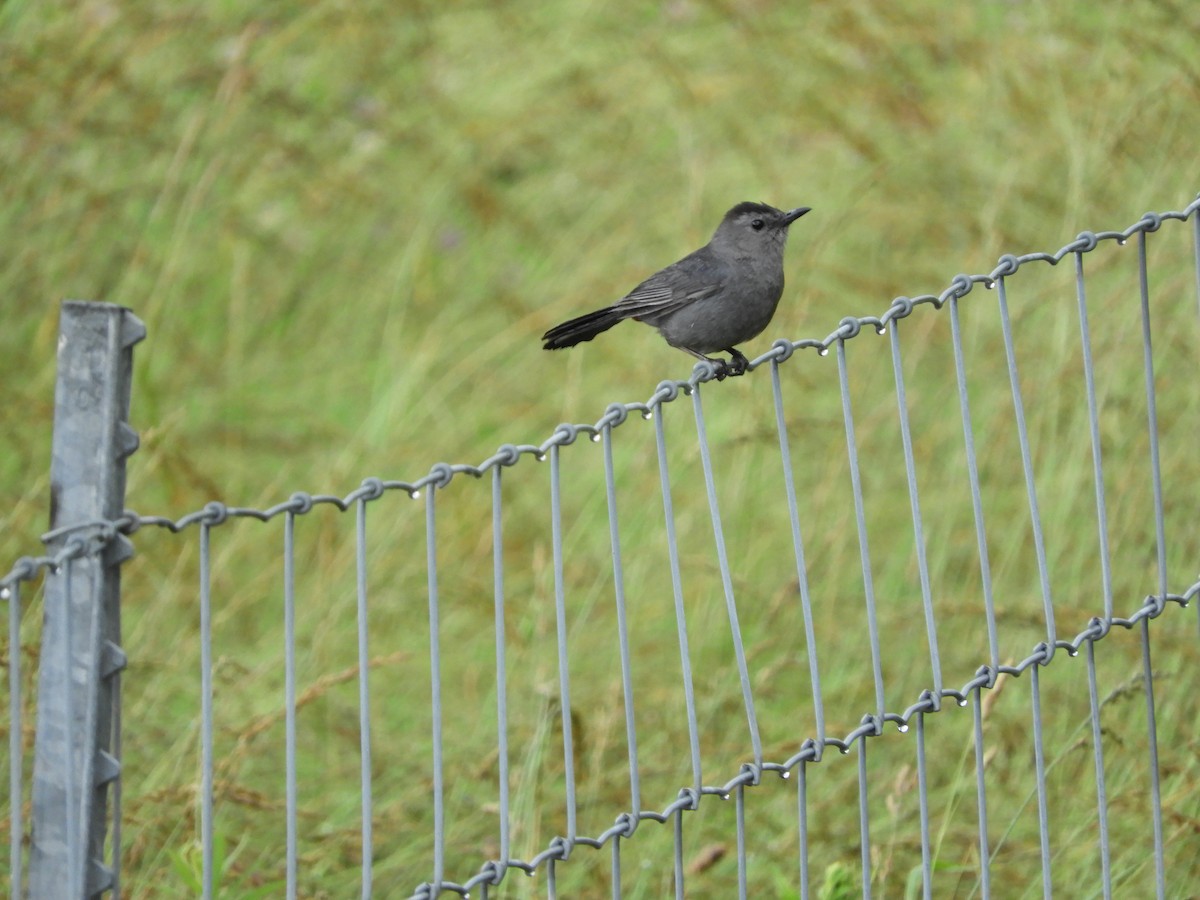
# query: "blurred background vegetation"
[[345, 227]]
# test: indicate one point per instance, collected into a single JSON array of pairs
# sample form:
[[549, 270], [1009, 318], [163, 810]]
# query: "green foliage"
[[841, 883], [189, 866]]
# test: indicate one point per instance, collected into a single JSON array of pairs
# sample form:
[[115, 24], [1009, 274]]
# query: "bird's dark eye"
[[758, 224]]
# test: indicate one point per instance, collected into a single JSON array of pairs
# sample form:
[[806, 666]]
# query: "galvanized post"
[[81, 656]]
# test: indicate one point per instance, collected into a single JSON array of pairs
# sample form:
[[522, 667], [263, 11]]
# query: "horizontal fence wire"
[[90, 539]]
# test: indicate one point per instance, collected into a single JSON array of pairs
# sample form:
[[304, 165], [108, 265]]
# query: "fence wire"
[[489, 867]]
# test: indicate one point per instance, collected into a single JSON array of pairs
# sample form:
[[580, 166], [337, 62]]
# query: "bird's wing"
[[692, 278]]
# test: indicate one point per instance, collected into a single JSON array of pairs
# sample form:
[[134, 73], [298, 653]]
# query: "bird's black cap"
[[748, 206]]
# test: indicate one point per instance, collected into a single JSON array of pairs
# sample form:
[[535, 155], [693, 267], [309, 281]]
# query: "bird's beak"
[[793, 214]]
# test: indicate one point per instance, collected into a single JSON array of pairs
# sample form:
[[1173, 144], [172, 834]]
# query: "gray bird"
[[720, 295]]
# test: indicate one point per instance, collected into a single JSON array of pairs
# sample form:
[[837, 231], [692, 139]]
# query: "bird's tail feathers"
[[583, 328]]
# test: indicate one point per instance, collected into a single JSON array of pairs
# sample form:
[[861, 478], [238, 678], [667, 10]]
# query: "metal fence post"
[[81, 657]]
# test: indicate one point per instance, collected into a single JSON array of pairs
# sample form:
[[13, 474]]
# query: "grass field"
[[346, 226]]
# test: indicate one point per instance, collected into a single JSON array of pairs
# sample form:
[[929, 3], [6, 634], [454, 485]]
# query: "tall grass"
[[345, 227]]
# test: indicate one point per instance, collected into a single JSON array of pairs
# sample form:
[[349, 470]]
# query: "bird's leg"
[[738, 364]]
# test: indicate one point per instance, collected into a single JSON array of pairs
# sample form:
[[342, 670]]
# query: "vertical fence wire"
[[864, 818], [560, 624], [685, 661], [1039, 766], [435, 675], [1098, 758], [1196, 259], [615, 870], [915, 505], [677, 832], [1152, 419], [739, 797], [289, 668], [1160, 878], [206, 714], [861, 524], [727, 583], [789, 484], [923, 801], [364, 695], [985, 569], [614, 535], [1039, 544], [1105, 574], [501, 665], [689, 693], [1089, 375], [1161, 548], [985, 859], [802, 819]]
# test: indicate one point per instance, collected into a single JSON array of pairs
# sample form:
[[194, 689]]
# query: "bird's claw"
[[730, 368], [738, 364]]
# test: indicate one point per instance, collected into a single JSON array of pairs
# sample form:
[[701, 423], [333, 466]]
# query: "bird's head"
[[755, 230]]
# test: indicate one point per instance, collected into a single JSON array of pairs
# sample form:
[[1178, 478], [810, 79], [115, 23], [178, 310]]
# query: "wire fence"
[[977, 500]]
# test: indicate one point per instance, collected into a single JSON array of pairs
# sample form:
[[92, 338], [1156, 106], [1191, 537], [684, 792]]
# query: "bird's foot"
[[722, 368], [738, 364]]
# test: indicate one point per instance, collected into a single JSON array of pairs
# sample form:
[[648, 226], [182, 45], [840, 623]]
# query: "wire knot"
[[559, 848], [493, 871], [215, 513], [875, 722], [565, 434], [783, 349], [627, 823], [666, 392], [960, 286], [754, 770], [692, 796], [849, 327], [1156, 604], [372, 488], [507, 455], [1007, 265], [24, 570], [614, 415], [440, 474], [901, 308], [1098, 628]]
